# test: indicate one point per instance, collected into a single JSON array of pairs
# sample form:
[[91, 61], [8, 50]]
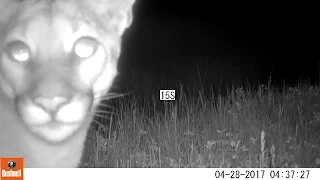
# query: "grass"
[[255, 126]]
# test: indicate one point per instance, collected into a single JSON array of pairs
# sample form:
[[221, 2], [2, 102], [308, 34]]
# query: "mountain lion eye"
[[18, 51], [85, 47]]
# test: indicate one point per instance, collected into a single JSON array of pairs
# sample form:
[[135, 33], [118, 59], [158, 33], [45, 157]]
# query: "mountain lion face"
[[57, 58]]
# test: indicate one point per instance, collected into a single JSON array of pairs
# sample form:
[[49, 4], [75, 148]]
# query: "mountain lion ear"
[[115, 13]]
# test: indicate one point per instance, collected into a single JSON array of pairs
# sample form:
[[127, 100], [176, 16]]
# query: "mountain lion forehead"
[[54, 33], [64, 16], [53, 11]]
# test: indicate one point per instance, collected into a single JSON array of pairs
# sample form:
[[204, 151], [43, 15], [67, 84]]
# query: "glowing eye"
[[85, 47], [18, 51]]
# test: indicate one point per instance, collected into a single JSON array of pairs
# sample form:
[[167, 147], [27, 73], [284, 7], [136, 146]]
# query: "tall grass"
[[249, 126]]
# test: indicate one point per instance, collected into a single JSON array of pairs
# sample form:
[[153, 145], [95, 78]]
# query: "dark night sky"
[[251, 39]]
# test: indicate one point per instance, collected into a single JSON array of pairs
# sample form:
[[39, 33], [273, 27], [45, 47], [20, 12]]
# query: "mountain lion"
[[58, 58]]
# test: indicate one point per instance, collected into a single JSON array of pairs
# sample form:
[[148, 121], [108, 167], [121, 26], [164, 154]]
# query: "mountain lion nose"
[[51, 104]]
